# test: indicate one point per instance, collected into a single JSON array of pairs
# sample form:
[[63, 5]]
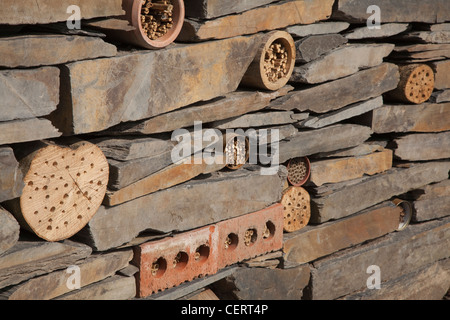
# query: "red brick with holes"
[[250, 235], [171, 261]]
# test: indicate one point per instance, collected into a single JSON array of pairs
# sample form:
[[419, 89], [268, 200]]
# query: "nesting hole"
[[202, 253], [231, 241], [180, 261], [159, 267]]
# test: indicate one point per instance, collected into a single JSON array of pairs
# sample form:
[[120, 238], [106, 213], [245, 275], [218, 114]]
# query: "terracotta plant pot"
[[406, 215], [299, 170], [138, 37], [257, 75]]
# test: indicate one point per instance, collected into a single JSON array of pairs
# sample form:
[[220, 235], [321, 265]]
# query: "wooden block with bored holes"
[[250, 235], [64, 187], [416, 84], [296, 204], [171, 261]]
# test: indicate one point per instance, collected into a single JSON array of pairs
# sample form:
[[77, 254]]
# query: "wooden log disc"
[[416, 84], [299, 170], [273, 64], [64, 187], [296, 208]]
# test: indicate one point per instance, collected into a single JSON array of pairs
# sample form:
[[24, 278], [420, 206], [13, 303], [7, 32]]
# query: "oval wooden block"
[[64, 187], [274, 62], [296, 208], [416, 84]]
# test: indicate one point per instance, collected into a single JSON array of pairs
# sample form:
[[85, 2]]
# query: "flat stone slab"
[[16, 12], [441, 74], [427, 117], [11, 178], [396, 254], [312, 47], [28, 93], [9, 230], [329, 118], [355, 11], [51, 49], [386, 30], [300, 31], [208, 9], [27, 130], [128, 87], [349, 168], [313, 242], [29, 259], [276, 16], [341, 62], [363, 85], [326, 139], [423, 146], [335, 201]]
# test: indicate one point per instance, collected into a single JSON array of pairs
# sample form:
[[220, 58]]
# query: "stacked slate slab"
[[365, 148]]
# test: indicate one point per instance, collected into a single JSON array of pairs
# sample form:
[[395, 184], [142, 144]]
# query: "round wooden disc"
[[64, 187], [296, 208], [420, 84]]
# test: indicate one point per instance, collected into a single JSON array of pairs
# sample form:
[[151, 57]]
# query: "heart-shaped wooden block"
[[64, 187]]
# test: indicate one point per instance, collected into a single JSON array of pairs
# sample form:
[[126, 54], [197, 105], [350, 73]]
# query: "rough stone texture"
[[342, 62], [343, 169], [431, 201], [181, 258], [42, 12], [28, 259], [240, 248], [33, 129], [163, 179], [275, 284], [52, 285], [343, 199], [131, 148], [11, 183], [271, 17], [323, 140], [9, 231], [440, 96], [350, 111], [208, 9], [184, 207], [393, 10], [28, 93], [360, 150], [423, 147], [121, 89], [386, 30], [258, 119], [300, 31], [231, 105], [425, 37], [113, 288], [427, 283], [441, 74], [425, 117], [51, 49], [336, 94], [414, 248], [313, 242], [311, 48]]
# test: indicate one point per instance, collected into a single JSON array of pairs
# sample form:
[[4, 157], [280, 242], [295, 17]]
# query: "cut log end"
[[416, 84], [296, 208], [64, 187]]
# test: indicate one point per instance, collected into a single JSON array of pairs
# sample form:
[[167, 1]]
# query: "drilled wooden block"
[[296, 208]]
